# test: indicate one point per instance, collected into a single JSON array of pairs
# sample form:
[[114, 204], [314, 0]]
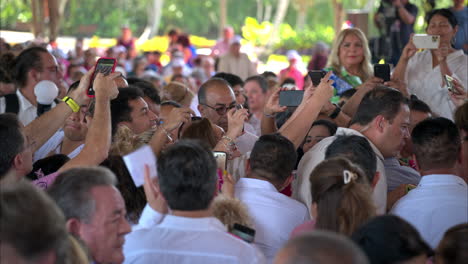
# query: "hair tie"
[[348, 176]]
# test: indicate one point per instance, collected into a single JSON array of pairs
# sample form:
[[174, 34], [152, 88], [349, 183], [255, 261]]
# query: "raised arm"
[[297, 126], [98, 139], [43, 127], [270, 109]]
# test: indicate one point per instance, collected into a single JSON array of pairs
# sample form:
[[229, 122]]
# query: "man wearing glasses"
[[215, 99], [30, 67]]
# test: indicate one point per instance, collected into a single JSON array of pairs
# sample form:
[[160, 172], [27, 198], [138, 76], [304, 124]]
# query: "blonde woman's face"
[[351, 51]]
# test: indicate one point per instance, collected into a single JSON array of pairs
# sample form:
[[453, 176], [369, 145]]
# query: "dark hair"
[[171, 103], [120, 107], [176, 76], [208, 84], [381, 100], [187, 176], [453, 248], [146, 87], [341, 207], [28, 59], [418, 105], [134, 197], [232, 79], [445, 12], [261, 81], [73, 87], [201, 129], [11, 141], [47, 165], [332, 127], [273, 157], [173, 32], [31, 223], [183, 40], [268, 74], [461, 117], [436, 143], [357, 150], [390, 239], [323, 247], [288, 81], [71, 190], [6, 62]]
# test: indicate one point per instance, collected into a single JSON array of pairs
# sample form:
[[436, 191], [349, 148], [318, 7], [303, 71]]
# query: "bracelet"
[[72, 104], [269, 116], [336, 112], [230, 140]]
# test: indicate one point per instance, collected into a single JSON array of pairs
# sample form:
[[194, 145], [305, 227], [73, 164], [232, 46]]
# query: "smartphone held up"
[[104, 66]]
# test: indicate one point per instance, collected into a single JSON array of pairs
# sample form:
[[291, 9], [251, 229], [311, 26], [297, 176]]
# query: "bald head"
[[213, 85], [320, 247]]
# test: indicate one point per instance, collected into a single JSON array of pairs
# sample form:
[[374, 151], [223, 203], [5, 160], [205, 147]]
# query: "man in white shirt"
[[187, 180], [215, 99], [274, 215], [440, 201], [256, 88], [236, 62], [382, 118], [31, 66]]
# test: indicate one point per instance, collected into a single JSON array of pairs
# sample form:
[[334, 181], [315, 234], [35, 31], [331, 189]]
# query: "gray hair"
[[71, 190], [31, 223]]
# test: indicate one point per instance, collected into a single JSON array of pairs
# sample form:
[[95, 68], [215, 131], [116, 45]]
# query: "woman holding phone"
[[350, 59], [424, 72]]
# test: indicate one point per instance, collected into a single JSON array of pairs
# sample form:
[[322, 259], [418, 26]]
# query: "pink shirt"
[[294, 74], [46, 181]]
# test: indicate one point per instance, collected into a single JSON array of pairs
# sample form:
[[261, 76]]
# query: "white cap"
[[178, 62], [292, 54], [235, 40], [45, 91]]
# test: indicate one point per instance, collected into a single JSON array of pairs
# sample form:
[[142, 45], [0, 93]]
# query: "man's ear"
[[201, 109], [18, 161], [35, 75], [375, 180], [73, 226], [379, 123], [313, 211], [287, 182]]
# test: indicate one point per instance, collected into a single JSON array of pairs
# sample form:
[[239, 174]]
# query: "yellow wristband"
[[71, 103]]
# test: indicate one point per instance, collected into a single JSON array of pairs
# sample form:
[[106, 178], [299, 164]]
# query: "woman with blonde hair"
[[341, 198], [350, 60], [178, 92]]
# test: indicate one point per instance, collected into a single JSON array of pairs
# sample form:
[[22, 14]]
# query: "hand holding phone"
[[316, 77], [291, 98], [382, 71], [103, 65], [424, 41]]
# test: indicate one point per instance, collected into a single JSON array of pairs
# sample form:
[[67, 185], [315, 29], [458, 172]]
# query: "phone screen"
[[291, 98], [245, 233], [103, 65], [382, 71], [449, 81], [316, 76], [221, 158]]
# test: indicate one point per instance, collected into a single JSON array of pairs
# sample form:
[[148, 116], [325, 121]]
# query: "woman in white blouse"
[[424, 72]]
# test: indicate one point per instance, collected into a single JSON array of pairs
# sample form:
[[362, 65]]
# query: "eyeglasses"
[[222, 110]]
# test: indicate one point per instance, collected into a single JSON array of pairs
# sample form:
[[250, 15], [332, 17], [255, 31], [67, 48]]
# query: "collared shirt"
[[27, 111], [54, 144], [240, 66], [301, 185], [398, 174], [149, 218], [188, 240], [439, 202], [274, 215], [426, 82]]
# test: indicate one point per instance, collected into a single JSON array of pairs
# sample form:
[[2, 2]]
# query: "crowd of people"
[[363, 170]]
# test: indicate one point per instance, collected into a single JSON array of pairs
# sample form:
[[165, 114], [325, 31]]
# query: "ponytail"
[[342, 194]]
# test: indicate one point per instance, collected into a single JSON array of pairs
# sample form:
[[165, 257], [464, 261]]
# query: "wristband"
[[336, 112], [71, 103], [230, 140]]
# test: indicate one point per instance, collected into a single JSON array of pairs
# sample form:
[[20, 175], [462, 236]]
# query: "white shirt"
[[301, 184], [55, 144], [240, 66], [188, 240], [246, 142], [439, 202], [274, 215], [426, 82], [149, 218], [27, 111]]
